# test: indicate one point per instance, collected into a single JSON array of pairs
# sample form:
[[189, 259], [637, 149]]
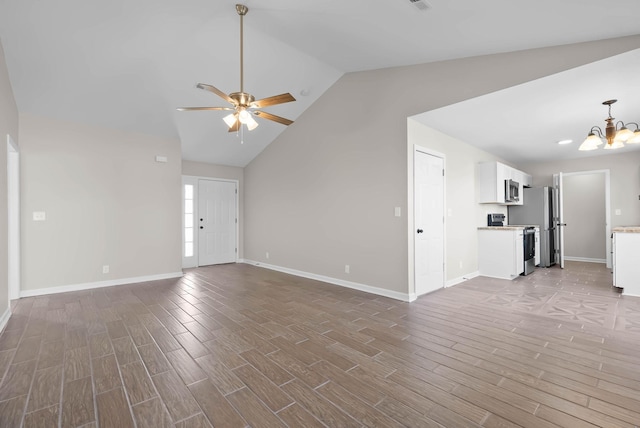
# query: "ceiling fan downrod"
[[242, 11]]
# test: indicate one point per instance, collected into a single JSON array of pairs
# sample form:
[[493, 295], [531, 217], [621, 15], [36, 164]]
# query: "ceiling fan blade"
[[203, 108], [216, 91], [273, 117], [271, 101]]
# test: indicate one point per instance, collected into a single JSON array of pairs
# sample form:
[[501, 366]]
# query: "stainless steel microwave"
[[511, 191]]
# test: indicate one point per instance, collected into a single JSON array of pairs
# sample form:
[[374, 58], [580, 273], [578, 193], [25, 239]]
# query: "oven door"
[[529, 242]]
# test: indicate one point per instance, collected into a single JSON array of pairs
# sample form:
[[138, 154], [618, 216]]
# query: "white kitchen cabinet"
[[537, 247], [491, 178], [626, 269], [500, 252]]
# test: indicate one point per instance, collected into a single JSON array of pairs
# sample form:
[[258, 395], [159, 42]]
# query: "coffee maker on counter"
[[495, 219]]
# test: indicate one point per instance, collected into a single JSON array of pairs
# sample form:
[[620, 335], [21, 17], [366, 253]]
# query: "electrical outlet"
[[346, 269], [105, 269], [460, 264], [266, 254]]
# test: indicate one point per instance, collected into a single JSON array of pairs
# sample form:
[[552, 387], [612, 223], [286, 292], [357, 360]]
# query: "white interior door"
[[559, 218], [428, 222], [217, 220]]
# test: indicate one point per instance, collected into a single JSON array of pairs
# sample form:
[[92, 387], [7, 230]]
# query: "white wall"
[[107, 202], [323, 194], [199, 169], [8, 125]]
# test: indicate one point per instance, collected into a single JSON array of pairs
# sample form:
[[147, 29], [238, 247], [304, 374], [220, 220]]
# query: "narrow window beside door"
[[188, 220]]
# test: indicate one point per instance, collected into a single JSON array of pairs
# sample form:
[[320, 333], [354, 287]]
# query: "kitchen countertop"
[[627, 229], [509, 227]]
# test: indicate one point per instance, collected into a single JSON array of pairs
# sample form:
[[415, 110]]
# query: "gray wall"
[[199, 169], [322, 195], [8, 125], [106, 200], [584, 213]]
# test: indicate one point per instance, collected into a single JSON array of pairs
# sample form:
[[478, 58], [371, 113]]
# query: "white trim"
[[99, 284], [607, 208], [335, 281], [13, 218], [5, 318], [584, 259], [456, 281]]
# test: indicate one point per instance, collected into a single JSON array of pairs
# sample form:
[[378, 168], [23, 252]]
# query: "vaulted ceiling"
[[129, 64]]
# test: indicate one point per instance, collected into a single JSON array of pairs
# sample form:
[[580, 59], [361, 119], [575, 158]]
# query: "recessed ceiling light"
[[562, 142]]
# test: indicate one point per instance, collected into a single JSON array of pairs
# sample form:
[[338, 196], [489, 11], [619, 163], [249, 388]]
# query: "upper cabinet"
[[492, 178]]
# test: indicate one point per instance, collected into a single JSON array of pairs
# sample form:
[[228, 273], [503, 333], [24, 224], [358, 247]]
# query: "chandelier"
[[614, 135]]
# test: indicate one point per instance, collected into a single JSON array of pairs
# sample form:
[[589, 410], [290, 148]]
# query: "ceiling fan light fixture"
[[251, 123], [230, 120]]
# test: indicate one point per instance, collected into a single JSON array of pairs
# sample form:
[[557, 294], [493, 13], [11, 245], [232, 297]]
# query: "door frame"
[[13, 218], [411, 224], [192, 262], [607, 205]]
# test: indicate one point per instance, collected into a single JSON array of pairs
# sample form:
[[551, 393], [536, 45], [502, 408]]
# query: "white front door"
[[216, 222], [428, 222], [559, 217]]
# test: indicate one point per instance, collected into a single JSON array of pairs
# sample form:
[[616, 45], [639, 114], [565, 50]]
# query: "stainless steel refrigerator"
[[537, 209]]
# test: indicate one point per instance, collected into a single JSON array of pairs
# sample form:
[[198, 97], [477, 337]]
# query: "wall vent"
[[420, 4]]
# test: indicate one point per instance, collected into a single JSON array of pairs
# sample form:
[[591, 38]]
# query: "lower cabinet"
[[626, 269], [500, 252]]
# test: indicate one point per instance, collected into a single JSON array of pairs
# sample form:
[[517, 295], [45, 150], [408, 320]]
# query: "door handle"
[[201, 227], [420, 231]]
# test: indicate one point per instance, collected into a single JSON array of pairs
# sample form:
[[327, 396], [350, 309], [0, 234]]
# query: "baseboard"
[[460, 279], [98, 284], [584, 259], [335, 281], [5, 317]]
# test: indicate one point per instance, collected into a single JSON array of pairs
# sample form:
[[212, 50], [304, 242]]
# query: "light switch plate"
[[39, 216], [397, 211], [618, 212], [161, 159]]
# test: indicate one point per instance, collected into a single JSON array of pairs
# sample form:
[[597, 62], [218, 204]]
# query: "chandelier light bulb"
[[590, 143], [635, 139], [623, 134]]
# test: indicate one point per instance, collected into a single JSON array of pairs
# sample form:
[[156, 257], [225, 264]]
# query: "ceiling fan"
[[244, 104]]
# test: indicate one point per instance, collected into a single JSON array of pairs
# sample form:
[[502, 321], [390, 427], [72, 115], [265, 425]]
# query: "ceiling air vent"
[[420, 4]]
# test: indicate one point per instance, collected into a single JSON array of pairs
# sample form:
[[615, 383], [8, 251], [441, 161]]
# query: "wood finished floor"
[[237, 345]]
